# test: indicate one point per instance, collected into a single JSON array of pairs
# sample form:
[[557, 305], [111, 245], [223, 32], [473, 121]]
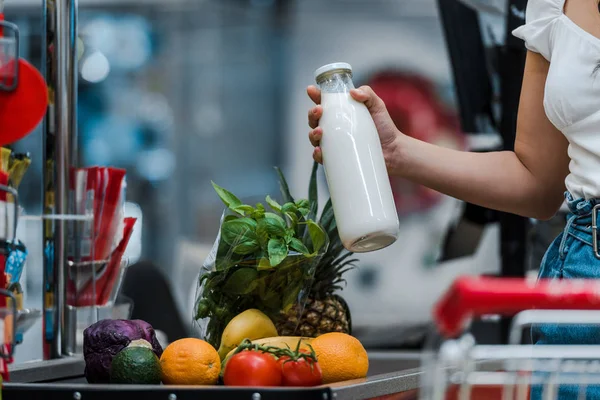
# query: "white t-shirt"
[[572, 95]]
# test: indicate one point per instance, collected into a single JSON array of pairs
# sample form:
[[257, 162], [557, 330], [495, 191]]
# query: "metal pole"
[[60, 145]]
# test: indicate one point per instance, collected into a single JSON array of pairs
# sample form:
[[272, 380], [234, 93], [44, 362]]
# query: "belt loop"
[[595, 230], [563, 243]]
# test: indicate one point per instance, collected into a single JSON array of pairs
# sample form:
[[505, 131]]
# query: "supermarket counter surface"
[[392, 375]]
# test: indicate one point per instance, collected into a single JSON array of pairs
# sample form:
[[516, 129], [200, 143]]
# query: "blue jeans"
[[571, 255]]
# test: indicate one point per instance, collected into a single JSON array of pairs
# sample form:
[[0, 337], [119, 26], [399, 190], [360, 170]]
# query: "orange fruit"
[[341, 357], [190, 362]]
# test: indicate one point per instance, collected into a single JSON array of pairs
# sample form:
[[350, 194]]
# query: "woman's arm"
[[528, 181]]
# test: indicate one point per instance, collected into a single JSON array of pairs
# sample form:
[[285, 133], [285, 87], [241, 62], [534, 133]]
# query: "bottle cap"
[[332, 67]]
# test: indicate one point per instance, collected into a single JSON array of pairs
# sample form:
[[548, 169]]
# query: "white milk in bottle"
[[356, 173]]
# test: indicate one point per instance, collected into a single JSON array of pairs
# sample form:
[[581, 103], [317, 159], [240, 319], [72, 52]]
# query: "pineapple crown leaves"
[[337, 260]]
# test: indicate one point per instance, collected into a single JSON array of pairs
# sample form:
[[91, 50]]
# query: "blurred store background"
[[182, 92]]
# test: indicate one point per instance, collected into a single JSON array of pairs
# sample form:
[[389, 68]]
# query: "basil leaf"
[[243, 209], [230, 217], [273, 224], [264, 264], [277, 251], [302, 203], [280, 221], [273, 204], [258, 214], [297, 245], [247, 247], [226, 196], [262, 233], [289, 208], [289, 235], [292, 217], [239, 231], [303, 211], [317, 236], [242, 281]]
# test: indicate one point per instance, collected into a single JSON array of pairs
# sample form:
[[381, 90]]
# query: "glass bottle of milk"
[[356, 173]]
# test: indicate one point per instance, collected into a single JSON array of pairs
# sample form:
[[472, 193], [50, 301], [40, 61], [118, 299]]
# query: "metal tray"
[[401, 384], [63, 379]]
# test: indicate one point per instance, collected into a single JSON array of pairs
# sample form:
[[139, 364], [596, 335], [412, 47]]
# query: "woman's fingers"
[[317, 155], [366, 95], [314, 115], [315, 136], [314, 93]]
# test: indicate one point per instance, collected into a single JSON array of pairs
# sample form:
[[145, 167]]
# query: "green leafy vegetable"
[[263, 258], [230, 200], [273, 204], [240, 230], [242, 281], [243, 209], [277, 251], [317, 236], [264, 264], [297, 245]]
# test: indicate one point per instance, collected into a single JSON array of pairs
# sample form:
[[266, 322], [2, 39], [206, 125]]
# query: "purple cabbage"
[[104, 339]]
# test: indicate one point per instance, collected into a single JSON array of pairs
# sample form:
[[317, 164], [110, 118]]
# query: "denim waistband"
[[579, 220]]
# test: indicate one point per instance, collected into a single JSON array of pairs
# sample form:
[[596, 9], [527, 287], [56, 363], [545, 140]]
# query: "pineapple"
[[324, 311]]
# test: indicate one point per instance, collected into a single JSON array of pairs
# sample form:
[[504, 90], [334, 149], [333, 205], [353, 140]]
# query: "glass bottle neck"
[[336, 82]]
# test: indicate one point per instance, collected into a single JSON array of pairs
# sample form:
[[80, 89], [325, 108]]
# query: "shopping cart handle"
[[472, 297]]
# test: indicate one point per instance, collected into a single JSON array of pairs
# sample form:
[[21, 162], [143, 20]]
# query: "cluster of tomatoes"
[[267, 366]]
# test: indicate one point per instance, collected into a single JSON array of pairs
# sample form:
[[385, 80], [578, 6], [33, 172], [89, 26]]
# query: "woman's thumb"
[[366, 95]]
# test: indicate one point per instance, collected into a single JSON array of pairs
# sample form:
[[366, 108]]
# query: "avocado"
[[135, 365]]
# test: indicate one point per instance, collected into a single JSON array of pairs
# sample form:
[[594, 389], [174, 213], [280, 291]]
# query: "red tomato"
[[252, 368], [303, 372]]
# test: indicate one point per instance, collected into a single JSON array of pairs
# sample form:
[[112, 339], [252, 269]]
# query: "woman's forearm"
[[495, 180]]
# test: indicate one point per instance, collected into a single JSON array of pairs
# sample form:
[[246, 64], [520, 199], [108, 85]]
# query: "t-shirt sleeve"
[[540, 18]]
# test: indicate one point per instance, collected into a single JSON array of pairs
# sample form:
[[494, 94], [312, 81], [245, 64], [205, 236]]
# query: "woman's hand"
[[388, 133]]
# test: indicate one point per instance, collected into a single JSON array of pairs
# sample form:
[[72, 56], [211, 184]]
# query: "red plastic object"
[[471, 297], [24, 108], [105, 283], [109, 217]]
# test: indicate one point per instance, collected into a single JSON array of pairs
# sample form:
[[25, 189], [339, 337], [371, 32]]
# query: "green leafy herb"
[[263, 258], [289, 208], [247, 247], [318, 236], [277, 251], [242, 281], [302, 203], [264, 264], [274, 224], [243, 209], [230, 200], [238, 231], [297, 245], [273, 204]]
